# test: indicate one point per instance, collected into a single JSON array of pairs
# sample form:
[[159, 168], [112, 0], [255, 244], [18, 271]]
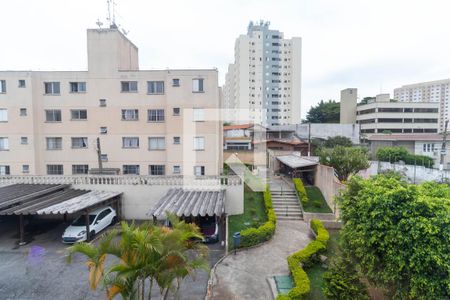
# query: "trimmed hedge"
[[322, 234], [301, 191], [305, 258], [395, 154], [254, 236]]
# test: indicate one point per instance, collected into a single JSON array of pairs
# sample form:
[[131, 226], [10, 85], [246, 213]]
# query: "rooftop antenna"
[[125, 32], [111, 15], [99, 24]]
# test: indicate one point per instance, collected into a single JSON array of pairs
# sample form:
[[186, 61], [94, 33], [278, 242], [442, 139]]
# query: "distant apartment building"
[[265, 78], [149, 122], [432, 91], [382, 115]]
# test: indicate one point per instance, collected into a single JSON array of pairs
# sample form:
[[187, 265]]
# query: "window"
[[2, 86], [155, 87], [130, 169], [102, 102], [55, 170], [21, 83], [155, 115], [130, 142], [23, 112], [197, 85], [176, 82], [51, 88], [130, 114], [176, 111], [78, 114], [25, 168], [80, 169], [54, 143], [79, 142], [24, 140], [157, 143], [3, 115], [176, 169], [176, 140], [78, 87], [4, 144], [53, 115], [199, 114], [129, 86], [103, 130], [4, 170], [199, 143], [199, 170], [104, 157], [157, 170]]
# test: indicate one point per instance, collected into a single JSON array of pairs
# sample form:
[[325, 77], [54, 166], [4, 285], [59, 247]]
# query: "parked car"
[[99, 219], [210, 230]]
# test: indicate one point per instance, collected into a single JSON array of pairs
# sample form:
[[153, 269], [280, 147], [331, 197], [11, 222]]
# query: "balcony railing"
[[123, 180]]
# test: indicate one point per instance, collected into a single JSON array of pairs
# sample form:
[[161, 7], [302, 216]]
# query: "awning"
[[31, 199], [295, 161], [86, 200], [186, 203]]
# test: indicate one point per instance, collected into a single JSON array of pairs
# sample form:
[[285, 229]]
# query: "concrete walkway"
[[244, 275]]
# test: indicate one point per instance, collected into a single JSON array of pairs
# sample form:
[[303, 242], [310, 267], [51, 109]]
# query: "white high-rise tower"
[[265, 78]]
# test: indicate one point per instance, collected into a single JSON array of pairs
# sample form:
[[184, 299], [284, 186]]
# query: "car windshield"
[[81, 220]]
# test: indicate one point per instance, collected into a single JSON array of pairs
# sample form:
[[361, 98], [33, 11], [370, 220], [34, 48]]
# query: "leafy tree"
[[160, 255], [324, 112], [338, 140], [342, 281], [345, 160], [398, 235]]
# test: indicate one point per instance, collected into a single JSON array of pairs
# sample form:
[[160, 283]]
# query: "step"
[[283, 193], [285, 200], [284, 218], [284, 197], [289, 214]]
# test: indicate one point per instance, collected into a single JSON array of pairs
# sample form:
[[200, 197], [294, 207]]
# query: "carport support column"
[[21, 231], [88, 233]]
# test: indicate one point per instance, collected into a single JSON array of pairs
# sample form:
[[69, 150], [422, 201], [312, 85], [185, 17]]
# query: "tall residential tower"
[[265, 78]]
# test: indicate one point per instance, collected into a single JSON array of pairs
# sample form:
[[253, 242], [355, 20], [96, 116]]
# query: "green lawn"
[[315, 273], [317, 203], [253, 216]]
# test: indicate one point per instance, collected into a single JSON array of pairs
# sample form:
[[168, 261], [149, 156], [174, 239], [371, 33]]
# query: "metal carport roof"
[[189, 202], [295, 161], [40, 199]]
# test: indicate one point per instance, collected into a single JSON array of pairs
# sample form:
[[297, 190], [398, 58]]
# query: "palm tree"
[[144, 253]]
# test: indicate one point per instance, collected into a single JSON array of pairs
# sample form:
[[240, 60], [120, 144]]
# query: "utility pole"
[[444, 148], [309, 139], [99, 156]]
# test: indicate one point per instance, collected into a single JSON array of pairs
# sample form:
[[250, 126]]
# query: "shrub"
[[301, 191], [342, 281], [322, 234], [396, 154], [254, 236], [304, 259]]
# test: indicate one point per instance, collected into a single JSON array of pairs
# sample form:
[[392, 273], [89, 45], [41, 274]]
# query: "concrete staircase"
[[286, 205]]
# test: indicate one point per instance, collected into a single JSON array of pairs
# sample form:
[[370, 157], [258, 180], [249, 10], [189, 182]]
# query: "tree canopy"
[[324, 112], [345, 160], [160, 255], [398, 235], [338, 140]]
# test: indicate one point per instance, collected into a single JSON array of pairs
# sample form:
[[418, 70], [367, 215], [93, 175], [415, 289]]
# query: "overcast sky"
[[374, 45]]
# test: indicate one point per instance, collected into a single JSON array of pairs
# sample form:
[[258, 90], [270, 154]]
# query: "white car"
[[99, 219]]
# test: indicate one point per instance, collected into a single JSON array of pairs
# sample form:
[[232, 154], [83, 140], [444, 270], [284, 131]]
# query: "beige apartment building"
[[149, 122]]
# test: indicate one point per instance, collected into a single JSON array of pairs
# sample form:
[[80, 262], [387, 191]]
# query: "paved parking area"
[[39, 270]]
